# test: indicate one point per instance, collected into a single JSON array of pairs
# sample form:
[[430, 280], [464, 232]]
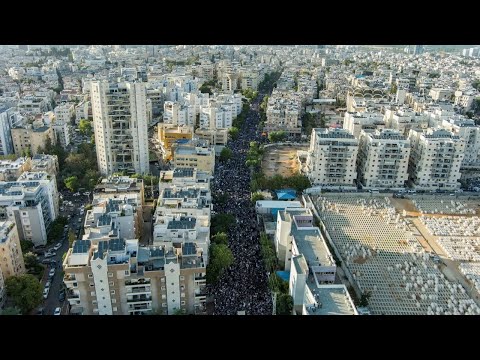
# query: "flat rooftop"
[[331, 300], [311, 244]]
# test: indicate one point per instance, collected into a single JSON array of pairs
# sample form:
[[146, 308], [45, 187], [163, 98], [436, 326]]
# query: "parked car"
[[51, 273], [61, 296], [46, 261], [41, 311], [45, 292], [86, 193], [57, 246], [58, 311], [49, 254]]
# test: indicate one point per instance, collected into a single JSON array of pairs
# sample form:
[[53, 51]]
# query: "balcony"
[[138, 290], [138, 298], [144, 307]]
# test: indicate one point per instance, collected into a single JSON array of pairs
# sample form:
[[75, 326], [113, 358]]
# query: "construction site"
[[411, 256], [281, 160]]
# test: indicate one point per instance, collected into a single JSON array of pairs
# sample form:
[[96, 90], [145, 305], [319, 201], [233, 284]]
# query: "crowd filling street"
[[244, 285]]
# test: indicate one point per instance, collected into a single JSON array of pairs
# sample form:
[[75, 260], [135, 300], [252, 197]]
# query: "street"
[[56, 286]]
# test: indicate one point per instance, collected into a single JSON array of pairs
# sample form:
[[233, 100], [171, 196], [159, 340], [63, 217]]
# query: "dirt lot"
[[281, 160]]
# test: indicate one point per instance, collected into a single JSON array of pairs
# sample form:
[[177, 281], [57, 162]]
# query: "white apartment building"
[[81, 111], [284, 112], [467, 130], [120, 124], [435, 159], [183, 215], [119, 277], [332, 157], [382, 160], [438, 94], [197, 154], [178, 114], [6, 142], [32, 203], [64, 113], [356, 122]]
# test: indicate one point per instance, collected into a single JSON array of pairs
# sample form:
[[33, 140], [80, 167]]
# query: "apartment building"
[[178, 114], [217, 116], [82, 111], [169, 134], [120, 125], [250, 79], [382, 160], [31, 137], [284, 112], [119, 277], [356, 122], [45, 163], [181, 177], [183, 215], [197, 154], [32, 203], [467, 130], [10, 170], [122, 187], [212, 136], [435, 159], [6, 142], [332, 156], [11, 260]]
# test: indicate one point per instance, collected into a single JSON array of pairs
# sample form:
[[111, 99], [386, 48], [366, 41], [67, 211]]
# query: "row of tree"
[[254, 155], [221, 256], [261, 182], [277, 136]]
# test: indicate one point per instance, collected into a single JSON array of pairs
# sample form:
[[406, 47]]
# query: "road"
[[52, 301]]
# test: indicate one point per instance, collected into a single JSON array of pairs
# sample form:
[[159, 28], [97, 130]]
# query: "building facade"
[[120, 125]]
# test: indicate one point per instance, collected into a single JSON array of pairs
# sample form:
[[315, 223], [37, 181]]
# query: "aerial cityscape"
[[239, 180]]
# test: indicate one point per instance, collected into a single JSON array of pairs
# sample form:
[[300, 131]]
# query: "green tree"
[[220, 223], [233, 132], [284, 304], [221, 257], [220, 238], [364, 299], [30, 260], [26, 245], [469, 114], [257, 196], [85, 127], [225, 154], [71, 237], [25, 291], [393, 89], [11, 311], [277, 136], [72, 183]]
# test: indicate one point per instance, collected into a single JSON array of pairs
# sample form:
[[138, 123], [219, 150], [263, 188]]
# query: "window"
[[114, 301], [110, 274], [94, 302], [92, 293], [112, 292], [127, 273], [182, 277], [164, 304], [90, 276], [182, 303], [91, 284], [110, 283], [114, 308], [163, 287]]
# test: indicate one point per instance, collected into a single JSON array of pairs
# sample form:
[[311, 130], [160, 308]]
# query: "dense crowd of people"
[[244, 285]]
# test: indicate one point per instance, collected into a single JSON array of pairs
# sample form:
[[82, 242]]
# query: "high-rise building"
[[332, 157], [6, 143], [435, 159], [120, 124], [383, 159], [418, 49]]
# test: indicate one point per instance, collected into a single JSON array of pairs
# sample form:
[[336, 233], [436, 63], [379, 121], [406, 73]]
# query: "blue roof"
[[285, 275], [286, 194]]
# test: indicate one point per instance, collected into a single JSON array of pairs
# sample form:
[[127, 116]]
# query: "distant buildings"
[[120, 124]]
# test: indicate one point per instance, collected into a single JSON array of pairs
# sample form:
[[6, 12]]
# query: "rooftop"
[[330, 300], [182, 223], [311, 244]]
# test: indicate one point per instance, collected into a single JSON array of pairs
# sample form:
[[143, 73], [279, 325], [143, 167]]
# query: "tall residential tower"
[[120, 124]]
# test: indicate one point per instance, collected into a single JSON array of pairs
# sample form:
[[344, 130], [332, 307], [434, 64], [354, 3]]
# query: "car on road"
[[45, 292], [86, 193], [57, 246], [41, 311], [49, 254], [58, 311], [61, 296], [51, 273], [46, 261]]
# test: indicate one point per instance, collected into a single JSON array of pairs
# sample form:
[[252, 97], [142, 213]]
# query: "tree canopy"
[[25, 291], [277, 136], [85, 127], [225, 154], [221, 257]]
